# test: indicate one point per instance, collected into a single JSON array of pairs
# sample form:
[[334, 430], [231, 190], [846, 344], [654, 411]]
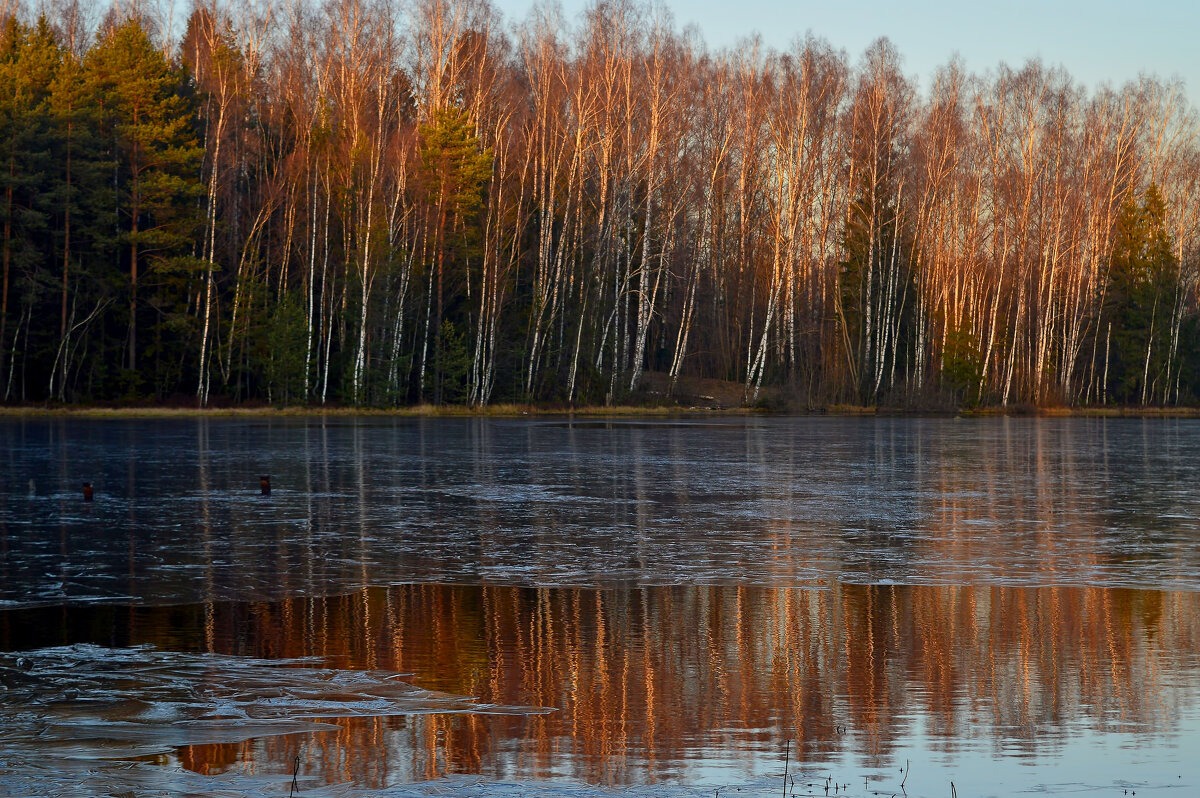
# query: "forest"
[[396, 202]]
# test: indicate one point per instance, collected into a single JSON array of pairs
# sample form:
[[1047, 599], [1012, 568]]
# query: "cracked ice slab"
[[84, 703]]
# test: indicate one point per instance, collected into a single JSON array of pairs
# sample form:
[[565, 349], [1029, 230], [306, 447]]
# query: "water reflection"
[[785, 502], [696, 683], [689, 596]]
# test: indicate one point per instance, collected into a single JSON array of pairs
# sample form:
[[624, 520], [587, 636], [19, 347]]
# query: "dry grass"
[[519, 410], [851, 410], [415, 411], [1086, 412]]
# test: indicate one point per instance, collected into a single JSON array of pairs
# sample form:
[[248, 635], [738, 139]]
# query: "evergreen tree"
[[79, 195], [1143, 272], [455, 168], [29, 59], [148, 114]]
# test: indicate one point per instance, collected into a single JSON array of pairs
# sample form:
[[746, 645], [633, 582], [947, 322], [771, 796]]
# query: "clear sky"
[[1096, 40]]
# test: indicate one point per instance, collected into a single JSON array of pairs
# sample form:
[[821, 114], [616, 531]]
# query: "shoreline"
[[595, 411]]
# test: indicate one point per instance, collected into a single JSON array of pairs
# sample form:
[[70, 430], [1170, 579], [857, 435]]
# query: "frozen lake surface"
[[1009, 604]]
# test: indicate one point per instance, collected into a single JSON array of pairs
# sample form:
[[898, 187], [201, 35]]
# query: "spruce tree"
[[455, 168], [1142, 274]]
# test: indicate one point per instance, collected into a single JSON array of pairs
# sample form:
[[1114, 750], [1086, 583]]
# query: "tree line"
[[382, 202]]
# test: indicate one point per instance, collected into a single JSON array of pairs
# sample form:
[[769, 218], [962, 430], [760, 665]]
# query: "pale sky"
[[1096, 40]]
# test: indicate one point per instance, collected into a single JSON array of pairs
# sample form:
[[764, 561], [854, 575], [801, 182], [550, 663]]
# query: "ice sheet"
[[91, 711], [178, 517]]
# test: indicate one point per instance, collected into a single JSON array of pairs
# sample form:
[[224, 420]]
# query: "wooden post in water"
[[87, 491], [264, 485]]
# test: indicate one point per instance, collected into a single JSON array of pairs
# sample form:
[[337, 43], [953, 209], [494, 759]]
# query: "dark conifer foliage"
[[383, 202]]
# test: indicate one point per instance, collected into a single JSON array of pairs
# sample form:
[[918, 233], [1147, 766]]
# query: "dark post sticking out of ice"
[[264, 485], [87, 491]]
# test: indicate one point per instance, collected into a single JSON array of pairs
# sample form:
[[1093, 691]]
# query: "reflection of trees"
[[649, 680], [1025, 501], [777, 501]]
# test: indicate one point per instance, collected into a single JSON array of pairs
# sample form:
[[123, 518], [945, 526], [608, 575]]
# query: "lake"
[[685, 606]]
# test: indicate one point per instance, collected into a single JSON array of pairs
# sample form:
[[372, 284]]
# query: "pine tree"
[[29, 59], [83, 212], [150, 119]]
